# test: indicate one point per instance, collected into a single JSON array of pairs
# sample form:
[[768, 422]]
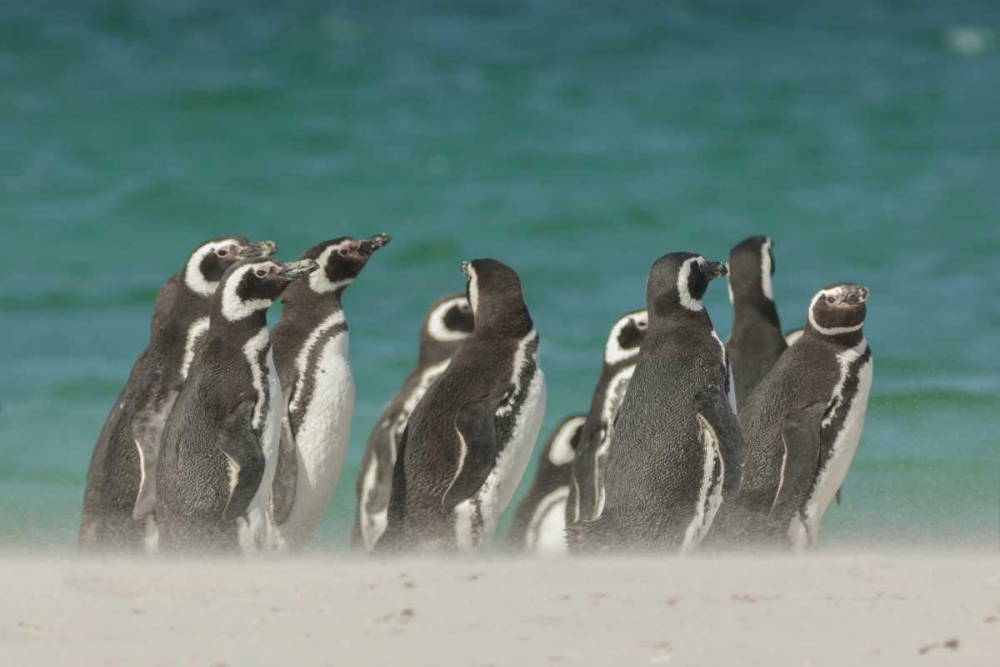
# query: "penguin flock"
[[230, 436]]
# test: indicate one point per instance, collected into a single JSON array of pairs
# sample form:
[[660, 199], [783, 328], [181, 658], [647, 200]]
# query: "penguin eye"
[[222, 252], [261, 273], [830, 299], [344, 252]]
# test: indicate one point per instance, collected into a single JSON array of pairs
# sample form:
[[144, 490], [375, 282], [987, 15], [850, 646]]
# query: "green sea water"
[[575, 141]]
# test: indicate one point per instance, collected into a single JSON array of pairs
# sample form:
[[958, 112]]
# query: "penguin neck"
[[174, 314], [301, 301], [752, 306], [846, 340], [513, 324], [675, 316], [238, 331], [433, 353]]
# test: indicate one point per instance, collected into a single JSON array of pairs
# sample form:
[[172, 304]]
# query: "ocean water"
[[575, 143]]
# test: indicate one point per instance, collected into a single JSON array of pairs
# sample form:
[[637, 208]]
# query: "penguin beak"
[[258, 250], [715, 270], [857, 295], [296, 270], [370, 245]]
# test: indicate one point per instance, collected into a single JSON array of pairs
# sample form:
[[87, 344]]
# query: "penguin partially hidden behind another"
[[586, 498], [803, 425], [447, 324], [121, 489], [539, 525], [677, 452], [468, 442], [311, 355], [220, 442], [756, 341]]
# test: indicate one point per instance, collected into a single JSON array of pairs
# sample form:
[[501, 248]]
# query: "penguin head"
[[207, 264], [447, 324], [341, 261], [839, 309], [562, 447], [251, 286], [678, 281], [626, 338], [751, 269], [496, 297]]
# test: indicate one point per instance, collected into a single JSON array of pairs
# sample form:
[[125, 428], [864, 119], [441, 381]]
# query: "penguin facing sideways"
[[677, 452], [803, 425], [756, 341], [219, 445], [311, 343], [468, 442], [586, 499], [447, 324], [120, 491], [539, 525]]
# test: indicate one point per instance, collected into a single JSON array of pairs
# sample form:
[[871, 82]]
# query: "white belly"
[[321, 443], [498, 489], [253, 531], [547, 530]]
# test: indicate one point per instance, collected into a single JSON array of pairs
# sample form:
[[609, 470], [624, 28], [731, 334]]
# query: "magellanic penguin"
[[448, 323], [121, 489], [676, 452], [311, 344], [468, 442], [756, 341], [539, 525], [802, 426], [220, 443], [586, 500]]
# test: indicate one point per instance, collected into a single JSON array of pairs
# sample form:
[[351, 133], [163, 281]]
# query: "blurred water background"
[[577, 143]]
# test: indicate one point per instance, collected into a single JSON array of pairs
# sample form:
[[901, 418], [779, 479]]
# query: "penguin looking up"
[[539, 526], [586, 499], [448, 323], [468, 442], [220, 442], [756, 341], [120, 491], [676, 453], [311, 355], [803, 425]]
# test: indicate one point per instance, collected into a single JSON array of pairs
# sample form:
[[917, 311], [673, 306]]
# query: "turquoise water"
[[576, 145]]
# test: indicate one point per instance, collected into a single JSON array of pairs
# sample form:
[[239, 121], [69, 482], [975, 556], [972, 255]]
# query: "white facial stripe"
[[473, 291], [561, 453], [193, 277], [683, 280], [194, 334], [436, 327], [318, 280], [831, 331], [766, 284], [614, 353], [729, 284], [234, 308]]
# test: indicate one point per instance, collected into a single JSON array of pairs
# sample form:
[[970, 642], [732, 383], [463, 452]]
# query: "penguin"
[[539, 525], [586, 499], [121, 490], [756, 341], [468, 442], [447, 324], [219, 444], [803, 425], [311, 343], [676, 453], [791, 337]]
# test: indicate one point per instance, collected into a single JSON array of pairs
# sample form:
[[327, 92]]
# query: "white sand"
[[821, 610]]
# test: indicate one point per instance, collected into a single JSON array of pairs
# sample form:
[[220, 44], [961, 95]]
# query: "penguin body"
[[219, 445], [676, 451], [447, 324]]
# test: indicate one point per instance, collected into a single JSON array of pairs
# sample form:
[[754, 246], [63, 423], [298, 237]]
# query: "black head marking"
[[341, 260], [497, 299], [751, 268], [839, 309], [678, 281], [209, 262], [251, 286]]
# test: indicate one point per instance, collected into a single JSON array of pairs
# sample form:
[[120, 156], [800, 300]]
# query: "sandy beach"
[[834, 609]]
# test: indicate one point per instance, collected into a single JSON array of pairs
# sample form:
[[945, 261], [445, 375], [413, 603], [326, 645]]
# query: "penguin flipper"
[[240, 445], [476, 427], [143, 435], [792, 336], [715, 415], [801, 438], [285, 475]]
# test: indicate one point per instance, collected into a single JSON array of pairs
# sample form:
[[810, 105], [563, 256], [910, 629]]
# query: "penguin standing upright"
[[311, 355], [448, 323], [756, 340], [586, 498], [121, 488], [803, 424], [219, 445], [539, 525], [677, 451], [468, 442]]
